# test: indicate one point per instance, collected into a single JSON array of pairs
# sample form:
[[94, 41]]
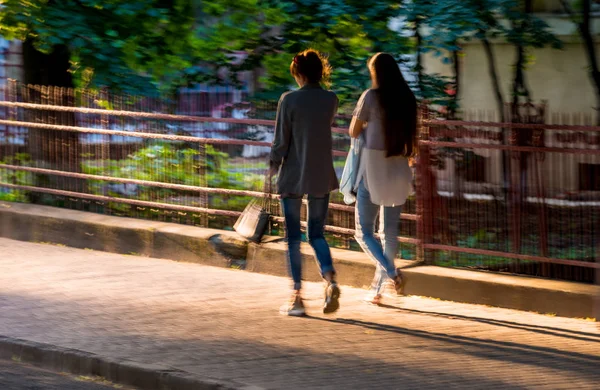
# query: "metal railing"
[[485, 199], [512, 197]]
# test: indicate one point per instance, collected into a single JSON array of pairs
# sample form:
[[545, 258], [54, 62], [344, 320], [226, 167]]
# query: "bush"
[[165, 162]]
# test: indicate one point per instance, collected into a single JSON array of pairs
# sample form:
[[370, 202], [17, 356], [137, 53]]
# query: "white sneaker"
[[372, 298], [294, 308]]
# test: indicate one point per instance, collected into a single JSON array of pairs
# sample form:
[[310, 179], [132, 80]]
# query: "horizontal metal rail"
[[508, 125], [170, 206], [148, 115], [173, 186], [508, 255], [135, 114], [134, 134], [147, 183], [351, 232], [265, 122], [137, 134], [134, 202], [512, 148]]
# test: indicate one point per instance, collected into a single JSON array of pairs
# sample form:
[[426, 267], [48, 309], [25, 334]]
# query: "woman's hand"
[[273, 169]]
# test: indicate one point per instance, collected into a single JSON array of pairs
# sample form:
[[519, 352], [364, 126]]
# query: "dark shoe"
[[294, 308], [332, 298]]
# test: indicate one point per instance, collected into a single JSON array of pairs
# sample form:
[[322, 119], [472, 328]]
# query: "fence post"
[[203, 182], [424, 189], [596, 304]]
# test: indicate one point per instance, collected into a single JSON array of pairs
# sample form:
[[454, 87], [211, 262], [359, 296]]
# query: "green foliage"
[[272, 32], [167, 163], [432, 88], [15, 177], [135, 46], [152, 163], [143, 46], [147, 46], [525, 28]]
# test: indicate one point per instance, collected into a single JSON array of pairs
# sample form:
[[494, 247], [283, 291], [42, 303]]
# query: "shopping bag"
[[255, 218], [253, 222]]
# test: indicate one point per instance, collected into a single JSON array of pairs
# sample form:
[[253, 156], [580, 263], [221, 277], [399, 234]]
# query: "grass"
[[51, 243], [98, 380], [258, 164], [339, 163]]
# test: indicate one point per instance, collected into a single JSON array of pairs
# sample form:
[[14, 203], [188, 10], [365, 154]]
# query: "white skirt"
[[388, 180]]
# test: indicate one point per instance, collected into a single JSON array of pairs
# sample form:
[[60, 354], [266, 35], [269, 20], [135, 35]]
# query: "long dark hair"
[[398, 105]]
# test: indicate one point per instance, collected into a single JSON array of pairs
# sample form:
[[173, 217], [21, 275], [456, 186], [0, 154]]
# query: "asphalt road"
[[19, 376]]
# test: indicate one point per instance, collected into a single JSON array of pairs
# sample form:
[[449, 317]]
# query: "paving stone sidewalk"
[[224, 324]]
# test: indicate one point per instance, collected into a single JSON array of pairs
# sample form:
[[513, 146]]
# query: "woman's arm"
[[356, 127], [283, 134], [360, 116]]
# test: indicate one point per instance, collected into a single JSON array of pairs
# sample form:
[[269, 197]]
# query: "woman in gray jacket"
[[302, 155]]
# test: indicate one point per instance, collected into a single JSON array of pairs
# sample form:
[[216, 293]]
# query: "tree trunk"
[[491, 57], [489, 52], [452, 112], [519, 82], [584, 28], [520, 137], [48, 81], [47, 69], [419, 60]]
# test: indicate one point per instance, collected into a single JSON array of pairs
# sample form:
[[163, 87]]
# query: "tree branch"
[[567, 8], [419, 59], [457, 80], [493, 72], [588, 40]]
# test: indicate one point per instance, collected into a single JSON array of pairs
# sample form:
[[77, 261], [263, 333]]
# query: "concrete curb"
[[125, 372], [85, 230], [220, 248], [508, 291]]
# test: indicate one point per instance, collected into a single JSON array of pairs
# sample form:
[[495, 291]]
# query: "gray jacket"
[[302, 147]]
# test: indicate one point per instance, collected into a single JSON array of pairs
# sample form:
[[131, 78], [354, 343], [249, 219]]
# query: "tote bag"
[[254, 221]]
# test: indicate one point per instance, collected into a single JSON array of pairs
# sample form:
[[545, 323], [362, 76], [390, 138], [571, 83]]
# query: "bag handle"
[[268, 189]]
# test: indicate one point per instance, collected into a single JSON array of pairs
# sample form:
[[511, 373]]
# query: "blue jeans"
[[317, 215], [382, 255]]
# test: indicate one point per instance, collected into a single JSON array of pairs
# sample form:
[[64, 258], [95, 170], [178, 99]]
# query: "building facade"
[[560, 79]]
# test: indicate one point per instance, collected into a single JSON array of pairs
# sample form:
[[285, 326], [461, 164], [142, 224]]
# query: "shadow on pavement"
[[255, 345], [490, 349], [568, 333]]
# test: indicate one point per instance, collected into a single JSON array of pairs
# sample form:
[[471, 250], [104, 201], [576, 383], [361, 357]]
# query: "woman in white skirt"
[[386, 120]]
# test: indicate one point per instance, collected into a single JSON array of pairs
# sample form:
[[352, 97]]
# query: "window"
[[472, 167], [589, 177]]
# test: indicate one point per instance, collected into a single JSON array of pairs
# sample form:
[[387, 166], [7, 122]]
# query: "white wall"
[[559, 76]]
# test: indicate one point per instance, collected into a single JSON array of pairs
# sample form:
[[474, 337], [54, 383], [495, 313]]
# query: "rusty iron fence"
[[512, 197], [507, 197]]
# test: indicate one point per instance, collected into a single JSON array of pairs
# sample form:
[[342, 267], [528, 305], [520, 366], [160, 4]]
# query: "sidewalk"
[[224, 324]]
